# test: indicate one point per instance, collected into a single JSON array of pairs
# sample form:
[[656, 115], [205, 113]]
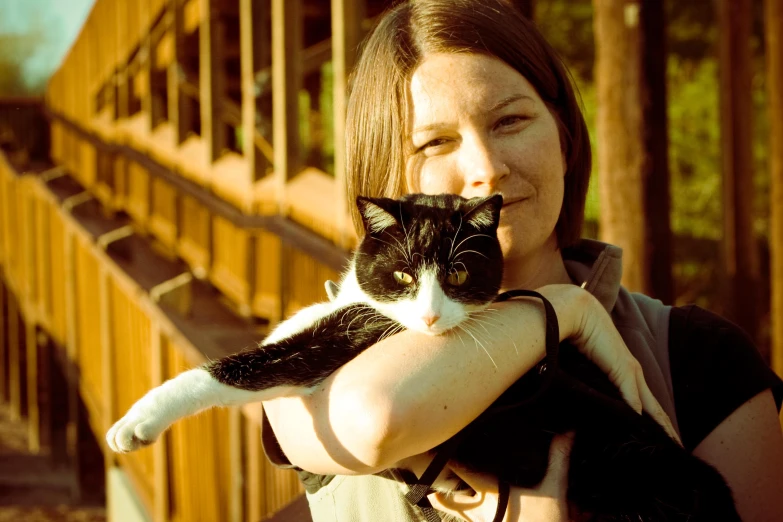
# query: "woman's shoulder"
[[715, 368]]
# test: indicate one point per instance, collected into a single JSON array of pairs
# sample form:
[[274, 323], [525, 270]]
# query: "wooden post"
[[146, 57], [37, 378], [160, 450], [741, 259], [347, 18], [254, 504], [235, 442], [121, 75], [59, 402], [254, 55], [211, 79], [4, 369], [286, 83], [71, 347], [180, 114], [619, 124], [773, 18], [14, 359], [105, 322]]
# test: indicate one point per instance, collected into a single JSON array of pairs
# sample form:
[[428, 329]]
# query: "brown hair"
[[378, 105]]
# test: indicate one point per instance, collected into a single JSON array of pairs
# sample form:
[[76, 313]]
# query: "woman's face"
[[479, 127]]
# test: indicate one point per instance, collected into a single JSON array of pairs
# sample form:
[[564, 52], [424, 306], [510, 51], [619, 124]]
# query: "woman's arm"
[[409, 393], [405, 395], [747, 449]]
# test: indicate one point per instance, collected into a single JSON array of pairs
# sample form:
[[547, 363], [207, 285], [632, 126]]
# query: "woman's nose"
[[481, 164]]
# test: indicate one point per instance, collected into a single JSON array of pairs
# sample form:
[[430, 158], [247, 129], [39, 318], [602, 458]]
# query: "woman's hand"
[[587, 324], [545, 503]]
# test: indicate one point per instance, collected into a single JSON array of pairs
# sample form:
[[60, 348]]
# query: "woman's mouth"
[[513, 201]]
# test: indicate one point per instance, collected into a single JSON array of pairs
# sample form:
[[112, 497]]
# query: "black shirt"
[[715, 369]]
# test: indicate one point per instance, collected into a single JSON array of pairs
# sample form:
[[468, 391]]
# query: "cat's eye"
[[403, 278], [457, 278]]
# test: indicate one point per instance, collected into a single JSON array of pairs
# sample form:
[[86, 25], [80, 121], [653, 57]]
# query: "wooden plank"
[[35, 379], [105, 322], [4, 369], [286, 84], [180, 114], [211, 79], [773, 21], [254, 54], [160, 450], [71, 347], [145, 51], [741, 260], [237, 482], [254, 461], [14, 362], [43, 261], [347, 16]]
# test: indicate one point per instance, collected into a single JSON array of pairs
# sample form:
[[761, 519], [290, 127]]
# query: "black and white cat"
[[430, 264], [427, 263]]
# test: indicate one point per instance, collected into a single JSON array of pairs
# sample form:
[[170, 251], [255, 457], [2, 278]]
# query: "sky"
[[56, 23]]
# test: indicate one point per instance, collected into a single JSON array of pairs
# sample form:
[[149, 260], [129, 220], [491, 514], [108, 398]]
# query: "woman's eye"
[[402, 278], [433, 144], [511, 120], [457, 278]]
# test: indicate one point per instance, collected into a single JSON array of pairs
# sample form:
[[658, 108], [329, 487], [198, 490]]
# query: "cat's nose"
[[430, 319]]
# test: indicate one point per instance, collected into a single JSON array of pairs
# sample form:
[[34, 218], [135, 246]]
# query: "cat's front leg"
[[184, 395]]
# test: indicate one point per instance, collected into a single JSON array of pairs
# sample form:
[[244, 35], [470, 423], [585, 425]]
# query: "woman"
[[466, 97]]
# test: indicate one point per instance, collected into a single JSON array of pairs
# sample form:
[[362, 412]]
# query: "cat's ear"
[[485, 212], [376, 214]]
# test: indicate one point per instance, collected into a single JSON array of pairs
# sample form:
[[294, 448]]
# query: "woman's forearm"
[[410, 392]]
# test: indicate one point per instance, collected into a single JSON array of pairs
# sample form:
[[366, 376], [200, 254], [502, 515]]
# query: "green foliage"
[[14, 49], [693, 108], [694, 147]]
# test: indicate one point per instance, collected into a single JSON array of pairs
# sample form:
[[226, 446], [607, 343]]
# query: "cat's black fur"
[[623, 466]]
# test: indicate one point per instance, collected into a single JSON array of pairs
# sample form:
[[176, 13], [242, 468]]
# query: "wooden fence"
[[184, 214], [110, 309]]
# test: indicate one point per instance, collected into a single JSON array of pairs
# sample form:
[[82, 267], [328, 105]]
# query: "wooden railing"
[[100, 302], [195, 198]]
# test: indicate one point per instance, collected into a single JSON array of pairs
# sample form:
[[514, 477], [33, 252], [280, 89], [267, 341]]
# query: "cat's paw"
[[140, 427]]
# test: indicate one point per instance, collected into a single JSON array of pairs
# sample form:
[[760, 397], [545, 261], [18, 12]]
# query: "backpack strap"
[[420, 487]]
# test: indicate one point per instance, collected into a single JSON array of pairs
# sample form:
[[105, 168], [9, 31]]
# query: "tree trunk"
[[741, 259], [774, 28], [620, 135], [655, 169], [632, 141]]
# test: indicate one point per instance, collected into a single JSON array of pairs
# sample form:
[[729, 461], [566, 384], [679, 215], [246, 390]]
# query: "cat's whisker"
[[404, 255], [407, 238], [461, 263], [460, 337], [469, 252], [479, 343], [471, 237], [395, 329], [402, 247], [451, 251], [360, 316], [496, 325]]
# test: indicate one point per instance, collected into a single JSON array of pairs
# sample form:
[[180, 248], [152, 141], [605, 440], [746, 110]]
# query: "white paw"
[[140, 427]]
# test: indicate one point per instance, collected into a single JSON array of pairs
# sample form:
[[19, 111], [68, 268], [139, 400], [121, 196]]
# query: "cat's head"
[[428, 261]]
